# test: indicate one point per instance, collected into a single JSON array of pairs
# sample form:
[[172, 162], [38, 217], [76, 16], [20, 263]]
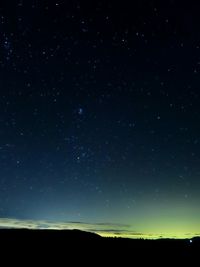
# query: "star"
[[80, 111]]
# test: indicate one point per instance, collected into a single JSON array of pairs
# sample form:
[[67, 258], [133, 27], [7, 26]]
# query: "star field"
[[99, 114]]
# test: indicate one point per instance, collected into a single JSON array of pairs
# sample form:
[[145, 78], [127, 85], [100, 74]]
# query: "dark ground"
[[82, 246]]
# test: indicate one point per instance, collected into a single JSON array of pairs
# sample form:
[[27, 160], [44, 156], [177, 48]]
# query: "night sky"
[[100, 116]]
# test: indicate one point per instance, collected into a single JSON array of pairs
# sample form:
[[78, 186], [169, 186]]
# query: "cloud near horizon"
[[44, 224], [103, 229]]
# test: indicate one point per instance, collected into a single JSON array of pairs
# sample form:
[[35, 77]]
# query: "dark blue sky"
[[99, 113]]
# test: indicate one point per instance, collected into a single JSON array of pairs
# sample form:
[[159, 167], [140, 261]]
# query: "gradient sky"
[[100, 116]]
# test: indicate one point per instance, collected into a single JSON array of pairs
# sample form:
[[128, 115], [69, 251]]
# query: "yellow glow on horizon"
[[151, 236], [170, 229]]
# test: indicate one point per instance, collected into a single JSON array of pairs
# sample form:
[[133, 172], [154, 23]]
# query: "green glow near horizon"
[[109, 230]]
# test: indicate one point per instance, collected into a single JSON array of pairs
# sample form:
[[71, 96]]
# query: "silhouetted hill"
[[66, 243], [25, 234]]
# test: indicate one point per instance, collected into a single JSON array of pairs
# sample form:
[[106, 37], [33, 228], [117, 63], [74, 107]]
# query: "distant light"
[[190, 240]]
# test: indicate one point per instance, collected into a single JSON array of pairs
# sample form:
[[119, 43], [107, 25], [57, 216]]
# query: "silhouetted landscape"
[[76, 240]]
